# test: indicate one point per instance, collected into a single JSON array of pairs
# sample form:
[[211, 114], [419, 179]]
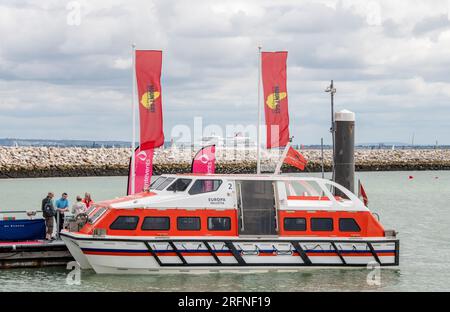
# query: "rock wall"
[[24, 162]]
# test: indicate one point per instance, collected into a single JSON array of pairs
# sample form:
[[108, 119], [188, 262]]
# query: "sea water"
[[418, 208]]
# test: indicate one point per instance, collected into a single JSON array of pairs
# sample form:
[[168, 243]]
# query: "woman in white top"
[[78, 207]]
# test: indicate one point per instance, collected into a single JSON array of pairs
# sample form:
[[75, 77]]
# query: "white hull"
[[134, 256], [76, 252]]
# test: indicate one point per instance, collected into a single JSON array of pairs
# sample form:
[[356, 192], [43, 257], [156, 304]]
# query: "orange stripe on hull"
[[166, 254], [386, 254], [324, 254]]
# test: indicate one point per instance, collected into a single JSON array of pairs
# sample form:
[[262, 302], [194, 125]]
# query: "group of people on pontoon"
[[54, 212]]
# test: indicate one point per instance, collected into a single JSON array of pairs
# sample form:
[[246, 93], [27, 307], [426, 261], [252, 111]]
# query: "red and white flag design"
[[296, 159], [143, 168], [275, 98], [205, 160], [148, 77]]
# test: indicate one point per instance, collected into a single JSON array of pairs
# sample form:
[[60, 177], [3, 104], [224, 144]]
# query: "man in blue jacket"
[[62, 205]]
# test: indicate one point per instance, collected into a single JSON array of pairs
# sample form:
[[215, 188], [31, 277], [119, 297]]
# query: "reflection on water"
[[417, 208], [54, 279]]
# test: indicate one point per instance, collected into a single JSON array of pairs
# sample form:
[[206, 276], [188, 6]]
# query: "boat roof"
[[242, 176], [164, 198]]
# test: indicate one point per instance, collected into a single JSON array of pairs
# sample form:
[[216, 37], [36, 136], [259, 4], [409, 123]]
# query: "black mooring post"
[[345, 150]]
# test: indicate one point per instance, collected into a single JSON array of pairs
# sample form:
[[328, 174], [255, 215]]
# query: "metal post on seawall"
[[333, 129], [332, 90], [321, 158], [57, 224], [345, 150]]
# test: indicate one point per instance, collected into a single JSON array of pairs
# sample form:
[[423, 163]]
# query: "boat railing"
[[29, 213]]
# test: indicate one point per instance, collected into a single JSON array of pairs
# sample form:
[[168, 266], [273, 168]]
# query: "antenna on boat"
[[258, 147], [332, 92], [133, 107]]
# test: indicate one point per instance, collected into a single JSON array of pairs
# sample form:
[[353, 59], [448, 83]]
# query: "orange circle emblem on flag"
[[273, 99], [149, 98]]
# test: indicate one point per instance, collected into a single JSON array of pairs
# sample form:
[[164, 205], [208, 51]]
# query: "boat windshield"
[[164, 184], [91, 209], [180, 185], [157, 182], [306, 190], [97, 215]]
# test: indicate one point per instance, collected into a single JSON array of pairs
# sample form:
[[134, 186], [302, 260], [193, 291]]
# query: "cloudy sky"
[[65, 66]]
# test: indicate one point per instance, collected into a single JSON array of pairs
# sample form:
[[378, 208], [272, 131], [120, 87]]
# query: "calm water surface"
[[418, 208]]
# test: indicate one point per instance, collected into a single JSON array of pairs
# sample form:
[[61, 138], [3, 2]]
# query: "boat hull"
[[202, 255], [22, 230], [76, 252]]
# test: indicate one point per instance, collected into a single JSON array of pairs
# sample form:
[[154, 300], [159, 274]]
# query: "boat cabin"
[[254, 206]]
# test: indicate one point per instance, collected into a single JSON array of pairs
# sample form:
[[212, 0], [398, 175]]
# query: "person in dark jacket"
[[48, 211]]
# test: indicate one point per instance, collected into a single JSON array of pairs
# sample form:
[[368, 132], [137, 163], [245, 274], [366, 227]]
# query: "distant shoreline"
[[37, 162]]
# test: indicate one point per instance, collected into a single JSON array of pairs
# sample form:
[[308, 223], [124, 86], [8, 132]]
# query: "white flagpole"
[[258, 148], [133, 105], [359, 188], [283, 156]]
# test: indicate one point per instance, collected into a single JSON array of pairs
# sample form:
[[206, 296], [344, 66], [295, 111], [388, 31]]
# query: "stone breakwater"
[[24, 162]]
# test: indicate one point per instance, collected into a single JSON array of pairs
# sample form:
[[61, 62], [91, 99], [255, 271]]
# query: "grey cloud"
[[427, 25], [313, 18], [389, 74]]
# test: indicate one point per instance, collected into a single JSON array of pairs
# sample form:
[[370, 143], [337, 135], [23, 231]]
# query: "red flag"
[[294, 158], [148, 77], [362, 194], [205, 160], [275, 98], [143, 168]]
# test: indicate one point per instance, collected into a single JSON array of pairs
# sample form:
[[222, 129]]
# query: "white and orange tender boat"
[[222, 223]]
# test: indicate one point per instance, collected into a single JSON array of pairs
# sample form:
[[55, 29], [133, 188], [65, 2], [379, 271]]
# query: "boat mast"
[[133, 107], [258, 147]]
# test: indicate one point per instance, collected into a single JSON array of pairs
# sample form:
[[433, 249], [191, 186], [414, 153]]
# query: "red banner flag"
[[205, 160], [148, 77], [143, 168], [362, 194], [294, 158], [275, 98]]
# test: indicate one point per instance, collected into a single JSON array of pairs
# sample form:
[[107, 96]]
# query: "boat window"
[[348, 225], [321, 224], [97, 215], [156, 223], [219, 224], [125, 223], [91, 209], [157, 182], [180, 185], [294, 224], [205, 186], [304, 190], [164, 184], [341, 193], [188, 223]]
